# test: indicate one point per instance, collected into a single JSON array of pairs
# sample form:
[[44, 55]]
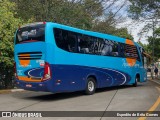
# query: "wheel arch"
[[94, 77], [138, 76]]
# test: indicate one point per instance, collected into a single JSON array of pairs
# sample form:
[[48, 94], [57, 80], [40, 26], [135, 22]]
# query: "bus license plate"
[[28, 85]]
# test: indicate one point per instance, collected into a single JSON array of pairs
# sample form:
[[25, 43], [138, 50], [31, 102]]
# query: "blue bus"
[[57, 58]]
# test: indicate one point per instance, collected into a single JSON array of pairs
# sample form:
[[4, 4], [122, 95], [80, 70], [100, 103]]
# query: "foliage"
[[148, 10], [153, 45], [83, 14], [144, 8], [157, 32], [77, 14], [156, 47], [108, 26], [104, 26], [122, 32], [8, 26]]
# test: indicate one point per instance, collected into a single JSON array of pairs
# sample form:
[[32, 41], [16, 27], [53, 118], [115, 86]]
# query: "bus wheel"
[[91, 86], [136, 82]]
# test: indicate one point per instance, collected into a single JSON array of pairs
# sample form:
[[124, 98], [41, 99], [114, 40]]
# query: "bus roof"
[[95, 34]]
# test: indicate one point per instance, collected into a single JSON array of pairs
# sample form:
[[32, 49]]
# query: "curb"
[[11, 90], [17, 90], [155, 82], [4, 91]]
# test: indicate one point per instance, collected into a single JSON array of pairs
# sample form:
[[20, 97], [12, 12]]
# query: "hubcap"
[[136, 80], [90, 86]]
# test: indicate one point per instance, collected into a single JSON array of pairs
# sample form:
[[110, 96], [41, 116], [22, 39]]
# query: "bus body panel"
[[30, 60], [71, 70]]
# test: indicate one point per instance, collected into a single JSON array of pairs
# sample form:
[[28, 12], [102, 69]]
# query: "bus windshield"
[[31, 33]]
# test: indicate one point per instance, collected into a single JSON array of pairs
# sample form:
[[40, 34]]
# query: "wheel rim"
[[136, 80], [90, 86]]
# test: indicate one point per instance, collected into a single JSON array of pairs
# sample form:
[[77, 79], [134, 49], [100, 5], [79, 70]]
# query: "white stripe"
[[111, 70], [121, 74], [32, 70]]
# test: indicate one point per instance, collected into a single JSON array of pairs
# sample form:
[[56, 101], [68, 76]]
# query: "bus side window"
[[72, 40], [65, 40], [107, 49], [97, 46], [60, 42], [64, 43], [101, 46], [121, 49], [115, 49], [131, 51], [83, 44], [110, 48], [138, 56], [144, 59]]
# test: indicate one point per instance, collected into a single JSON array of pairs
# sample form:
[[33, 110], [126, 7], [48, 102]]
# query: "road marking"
[[109, 104], [155, 105]]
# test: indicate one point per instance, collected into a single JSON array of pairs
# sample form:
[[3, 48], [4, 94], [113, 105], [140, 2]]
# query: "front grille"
[[29, 55]]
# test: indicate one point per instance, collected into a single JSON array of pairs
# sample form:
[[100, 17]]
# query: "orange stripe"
[[130, 42], [131, 61], [24, 55], [28, 79], [25, 63]]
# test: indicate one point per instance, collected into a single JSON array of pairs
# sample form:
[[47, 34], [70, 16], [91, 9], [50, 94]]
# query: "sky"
[[133, 27]]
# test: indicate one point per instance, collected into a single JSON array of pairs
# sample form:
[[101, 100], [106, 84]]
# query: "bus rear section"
[[31, 70]]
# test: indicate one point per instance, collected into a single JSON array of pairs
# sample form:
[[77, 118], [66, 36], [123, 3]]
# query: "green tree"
[[123, 32], [146, 47], [70, 12], [148, 10], [83, 14], [144, 8], [155, 48], [108, 27], [104, 26], [157, 32], [8, 25]]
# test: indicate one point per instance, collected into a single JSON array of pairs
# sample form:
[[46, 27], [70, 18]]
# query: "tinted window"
[[31, 33], [72, 40], [110, 48], [65, 40], [98, 45], [80, 43], [84, 44], [90, 45], [122, 49], [131, 51]]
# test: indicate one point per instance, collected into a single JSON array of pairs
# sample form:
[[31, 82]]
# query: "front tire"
[[91, 86], [136, 82]]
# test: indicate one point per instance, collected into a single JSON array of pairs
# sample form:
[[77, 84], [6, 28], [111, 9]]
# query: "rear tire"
[[91, 86]]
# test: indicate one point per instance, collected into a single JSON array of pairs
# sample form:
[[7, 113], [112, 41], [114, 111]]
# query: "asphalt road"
[[144, 97]]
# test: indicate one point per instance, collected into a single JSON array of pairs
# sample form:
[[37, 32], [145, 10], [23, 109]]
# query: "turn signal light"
[[47, 72]]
